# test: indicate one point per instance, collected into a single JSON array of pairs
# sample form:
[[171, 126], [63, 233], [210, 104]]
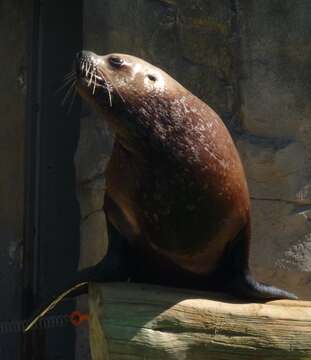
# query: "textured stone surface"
[[275, 143], [12, 89], [251, 62], [91, 159], [14, 19]]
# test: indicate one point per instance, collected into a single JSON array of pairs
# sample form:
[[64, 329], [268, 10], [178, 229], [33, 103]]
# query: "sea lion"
[[177, 199]]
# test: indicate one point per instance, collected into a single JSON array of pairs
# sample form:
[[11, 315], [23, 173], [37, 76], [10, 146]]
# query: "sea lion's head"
[[116, 78], [127, 89]]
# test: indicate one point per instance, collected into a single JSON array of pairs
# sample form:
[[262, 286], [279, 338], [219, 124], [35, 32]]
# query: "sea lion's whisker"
[[69, 78], [114, 87], [69, 75], [106, 87], [110, 98], [118, 92], [68, 93], [72, 99], [122, 98], [91, 76], [66, 83], [109, 84], [88, 69], [109, 94], [85, 64], [94, 87]]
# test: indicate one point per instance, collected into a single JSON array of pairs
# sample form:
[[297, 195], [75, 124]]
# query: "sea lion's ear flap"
[[152, 77]]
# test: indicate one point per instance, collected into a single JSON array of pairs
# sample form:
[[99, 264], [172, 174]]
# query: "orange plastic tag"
[[76, 318]]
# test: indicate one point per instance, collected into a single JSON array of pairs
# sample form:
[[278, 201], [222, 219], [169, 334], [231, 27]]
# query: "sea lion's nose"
[[85, 55]]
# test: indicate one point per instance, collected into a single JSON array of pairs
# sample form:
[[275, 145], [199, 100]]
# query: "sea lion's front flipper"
[[240, 280], [248, 287]]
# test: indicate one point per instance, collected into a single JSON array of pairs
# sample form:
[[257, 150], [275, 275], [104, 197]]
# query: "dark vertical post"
[[31, 180], [52, 231]]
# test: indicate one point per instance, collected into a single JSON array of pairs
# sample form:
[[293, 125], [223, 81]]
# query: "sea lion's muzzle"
[[84, 60], [91, 79]]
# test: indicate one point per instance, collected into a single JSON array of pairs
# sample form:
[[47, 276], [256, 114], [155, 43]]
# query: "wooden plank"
[[134, 321]]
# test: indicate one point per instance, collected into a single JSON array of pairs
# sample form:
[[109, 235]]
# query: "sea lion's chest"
[[169, 204]]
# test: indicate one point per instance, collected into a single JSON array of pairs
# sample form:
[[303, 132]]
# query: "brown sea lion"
[[177, 199]]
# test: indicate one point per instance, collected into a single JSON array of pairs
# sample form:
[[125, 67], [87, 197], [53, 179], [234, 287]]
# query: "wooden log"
[[135, 321]]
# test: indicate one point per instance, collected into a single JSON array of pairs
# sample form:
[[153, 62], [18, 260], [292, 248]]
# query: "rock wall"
[[250, 61], [14, 24]]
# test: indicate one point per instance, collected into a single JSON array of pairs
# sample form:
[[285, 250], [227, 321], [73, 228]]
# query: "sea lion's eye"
[[152, 77], [116, 61]]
